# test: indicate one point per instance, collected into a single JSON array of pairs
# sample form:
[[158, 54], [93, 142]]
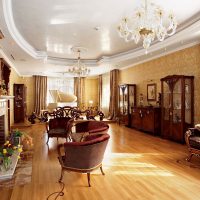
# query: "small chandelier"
[[146, 24], [79, 69]]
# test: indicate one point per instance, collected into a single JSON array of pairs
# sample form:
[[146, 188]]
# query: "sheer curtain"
[[65, 85], [100, 92], [79, 90], [105, 93]]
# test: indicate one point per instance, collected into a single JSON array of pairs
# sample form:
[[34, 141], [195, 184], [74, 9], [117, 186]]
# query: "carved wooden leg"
[[47, 140], [189, 156], [88, 177], [61, 176], [102, 170]]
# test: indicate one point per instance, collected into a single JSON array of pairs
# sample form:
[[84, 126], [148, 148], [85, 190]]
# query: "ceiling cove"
[[191, 26]]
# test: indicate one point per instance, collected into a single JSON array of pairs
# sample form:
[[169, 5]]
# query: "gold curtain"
[[76, 87], [100, 92], [79, 90], [113, 106], [40, 93]]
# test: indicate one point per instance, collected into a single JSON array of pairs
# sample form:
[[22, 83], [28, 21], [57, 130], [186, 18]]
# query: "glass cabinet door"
[[188, 101], [166, 101], [123, 100], [131, 98], [125, 107], [177, 102]]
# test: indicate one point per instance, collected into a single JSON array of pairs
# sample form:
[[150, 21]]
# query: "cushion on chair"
[[92, 127], [195, 142], [60, 122], [57, 131], [89, 140]]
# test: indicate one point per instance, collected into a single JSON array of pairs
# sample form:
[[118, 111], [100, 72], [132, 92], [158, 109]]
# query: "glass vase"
[[16, 141], [7, 163]]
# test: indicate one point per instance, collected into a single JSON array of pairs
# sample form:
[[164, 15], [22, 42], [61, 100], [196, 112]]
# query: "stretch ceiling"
[[39, 34]]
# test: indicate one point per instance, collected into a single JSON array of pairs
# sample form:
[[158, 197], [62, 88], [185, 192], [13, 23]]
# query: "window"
[[65, 85]]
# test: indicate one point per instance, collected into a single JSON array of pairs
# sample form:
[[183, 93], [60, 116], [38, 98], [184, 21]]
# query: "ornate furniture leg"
[[61, 176], [102, 170], [47, 140], [88, 177], [189, 156], [192, 139]]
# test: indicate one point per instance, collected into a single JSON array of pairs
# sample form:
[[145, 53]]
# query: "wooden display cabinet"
[[19, 103], [177, 106], [127, 100], [146, 119]]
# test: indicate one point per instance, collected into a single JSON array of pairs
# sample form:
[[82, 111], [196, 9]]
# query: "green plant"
[[16, 133], [6, 151]]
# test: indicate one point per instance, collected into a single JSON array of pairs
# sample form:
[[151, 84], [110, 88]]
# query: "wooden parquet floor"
[[138, 166]]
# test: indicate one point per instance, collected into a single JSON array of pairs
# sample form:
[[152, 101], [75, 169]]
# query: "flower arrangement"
[[3, 90], [15, 136], [6, 151], [16, 133]]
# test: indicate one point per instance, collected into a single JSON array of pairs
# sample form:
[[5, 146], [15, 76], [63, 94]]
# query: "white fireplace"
[[4, 123]]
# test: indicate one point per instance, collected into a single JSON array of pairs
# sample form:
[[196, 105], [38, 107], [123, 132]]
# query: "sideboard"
[[147, 119]]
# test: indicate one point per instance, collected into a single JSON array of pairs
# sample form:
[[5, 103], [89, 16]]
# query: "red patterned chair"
[[59, 127], [83, 157]]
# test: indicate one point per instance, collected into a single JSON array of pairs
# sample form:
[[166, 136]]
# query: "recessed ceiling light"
[[97, 28]]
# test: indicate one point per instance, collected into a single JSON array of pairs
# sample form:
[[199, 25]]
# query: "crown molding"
[[182, 33], [8, 15], [69, 62]]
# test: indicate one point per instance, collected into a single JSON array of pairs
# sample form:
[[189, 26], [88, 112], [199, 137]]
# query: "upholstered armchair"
[[59, 127], [89, 127], [192, 138], [83, 157]]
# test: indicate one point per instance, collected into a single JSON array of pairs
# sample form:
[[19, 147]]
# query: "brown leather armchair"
[[83, 157], [192, 139], [59, 127]]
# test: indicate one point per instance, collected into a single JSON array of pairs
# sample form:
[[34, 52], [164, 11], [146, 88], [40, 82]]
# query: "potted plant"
[[6, 152], [16, 137]]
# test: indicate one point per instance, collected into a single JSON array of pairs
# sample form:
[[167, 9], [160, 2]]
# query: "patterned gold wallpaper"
[[91, 91], [184, 62]]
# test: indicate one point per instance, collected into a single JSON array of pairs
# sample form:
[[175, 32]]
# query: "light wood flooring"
[[138, 166]]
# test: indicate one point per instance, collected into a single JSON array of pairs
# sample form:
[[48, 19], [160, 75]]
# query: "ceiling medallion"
[[79, 69], [147, 23]]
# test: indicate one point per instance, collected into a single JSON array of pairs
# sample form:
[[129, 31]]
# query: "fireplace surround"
[[4, 117]]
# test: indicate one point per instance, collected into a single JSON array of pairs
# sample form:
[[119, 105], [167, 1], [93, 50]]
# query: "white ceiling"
[[37, 29]]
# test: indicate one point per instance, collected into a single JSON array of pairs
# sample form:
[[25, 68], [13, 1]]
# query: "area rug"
[[194, 163], [22, 174]]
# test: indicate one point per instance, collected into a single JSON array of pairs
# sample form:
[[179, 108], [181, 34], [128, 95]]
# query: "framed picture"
[[151, 92]]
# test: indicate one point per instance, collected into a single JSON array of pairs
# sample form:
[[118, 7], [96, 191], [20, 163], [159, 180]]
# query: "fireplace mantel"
[[4, 117], [6, 97]]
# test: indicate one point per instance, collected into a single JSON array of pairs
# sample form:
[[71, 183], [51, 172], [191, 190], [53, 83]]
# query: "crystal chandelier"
[[79, 69], [147, 23]]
